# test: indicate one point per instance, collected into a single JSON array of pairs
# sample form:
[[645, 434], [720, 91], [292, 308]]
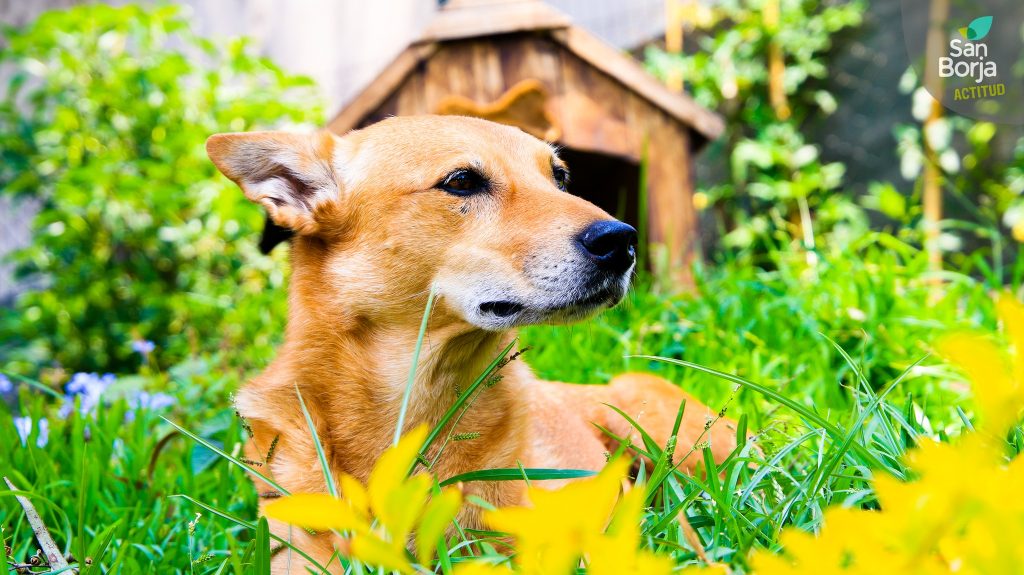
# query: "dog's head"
[[474, 209]]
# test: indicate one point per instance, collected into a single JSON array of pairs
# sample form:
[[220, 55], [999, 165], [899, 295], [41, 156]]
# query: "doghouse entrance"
[[610, 182]]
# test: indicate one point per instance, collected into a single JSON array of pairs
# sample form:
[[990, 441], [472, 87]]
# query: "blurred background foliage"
[[765, 65], [761, 64], [103, 122]]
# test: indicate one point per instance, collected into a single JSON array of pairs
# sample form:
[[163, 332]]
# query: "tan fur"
[[373, 236]]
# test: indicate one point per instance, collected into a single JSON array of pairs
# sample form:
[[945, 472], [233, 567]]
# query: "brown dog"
[[478, 212]]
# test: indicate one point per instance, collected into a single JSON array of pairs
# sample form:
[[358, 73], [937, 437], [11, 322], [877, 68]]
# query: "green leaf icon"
[[978, 28]]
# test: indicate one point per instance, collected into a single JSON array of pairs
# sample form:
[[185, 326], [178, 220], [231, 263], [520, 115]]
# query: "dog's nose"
[[610, 243]]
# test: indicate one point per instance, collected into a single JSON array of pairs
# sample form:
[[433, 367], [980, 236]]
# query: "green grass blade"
[[890, 432], [522, 471], [332, 488], [825, 470], [33, 384], [262, 557], [664, 463], [98, 547], [517, 474], [412, 370], [649, 443], [441, 423], [227, 456]]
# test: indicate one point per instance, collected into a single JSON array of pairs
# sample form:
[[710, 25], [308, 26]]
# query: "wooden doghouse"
[[523, 63]]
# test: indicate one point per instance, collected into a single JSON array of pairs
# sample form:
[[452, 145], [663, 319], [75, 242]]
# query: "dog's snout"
[[611, 244]]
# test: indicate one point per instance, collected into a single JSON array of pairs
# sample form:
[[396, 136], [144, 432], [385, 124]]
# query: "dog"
[[478, 212]]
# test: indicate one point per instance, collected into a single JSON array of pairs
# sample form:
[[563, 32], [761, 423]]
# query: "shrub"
[[103, 122], [758, 63]]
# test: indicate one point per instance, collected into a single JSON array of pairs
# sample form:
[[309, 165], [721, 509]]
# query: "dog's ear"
[[290, 175]]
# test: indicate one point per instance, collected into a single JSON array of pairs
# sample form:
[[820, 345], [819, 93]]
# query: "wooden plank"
[[627, 72], [460, 20], [437, 82], [592, 105], [671, 215], [449, 71], [529, 57], [409, 97], [535, 57], [485, 63]]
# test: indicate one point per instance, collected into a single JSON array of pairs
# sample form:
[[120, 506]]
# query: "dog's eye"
[[463, 183], [561, 177]]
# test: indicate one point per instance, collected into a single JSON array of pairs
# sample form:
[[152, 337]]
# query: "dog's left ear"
[[290, 175]]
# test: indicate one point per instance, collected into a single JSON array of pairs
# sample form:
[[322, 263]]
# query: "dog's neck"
[[352, 373]]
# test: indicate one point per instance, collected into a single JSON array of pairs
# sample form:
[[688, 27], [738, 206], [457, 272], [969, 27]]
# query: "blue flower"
[[143, 346], [87, 387], [150, 401], [24, 427], [44, 433], [5, 385]]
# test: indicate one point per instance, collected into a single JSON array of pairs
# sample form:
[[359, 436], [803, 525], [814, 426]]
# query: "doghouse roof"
[[467, 19]]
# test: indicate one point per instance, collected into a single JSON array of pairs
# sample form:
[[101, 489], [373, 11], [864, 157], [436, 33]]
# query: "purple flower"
[[88, 387], [143, 346], [24, 426], [151, 401], [44, 433], [5, 385]]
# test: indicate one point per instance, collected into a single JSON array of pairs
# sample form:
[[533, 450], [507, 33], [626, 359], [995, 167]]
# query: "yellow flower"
[[436, 517], [478, 568], [834, 550], [317, 511], [716, 569], [700, 201], [563, 526], [998, 376], [397, 502], [1018, 231], [616, 553]]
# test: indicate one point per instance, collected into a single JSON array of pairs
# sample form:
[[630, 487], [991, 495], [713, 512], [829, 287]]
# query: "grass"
[[829, 366]]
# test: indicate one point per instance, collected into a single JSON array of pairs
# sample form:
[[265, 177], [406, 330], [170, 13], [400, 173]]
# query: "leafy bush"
[[757, 64], [137, 238], [979, 168]]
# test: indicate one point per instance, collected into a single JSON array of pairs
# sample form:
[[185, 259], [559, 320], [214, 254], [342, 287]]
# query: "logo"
[[977, 29], [967, 55], [968, 58]]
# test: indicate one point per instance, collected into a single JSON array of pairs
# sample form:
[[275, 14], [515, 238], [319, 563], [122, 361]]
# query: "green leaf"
[[517, 474], [262, 556], [978, 28]]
